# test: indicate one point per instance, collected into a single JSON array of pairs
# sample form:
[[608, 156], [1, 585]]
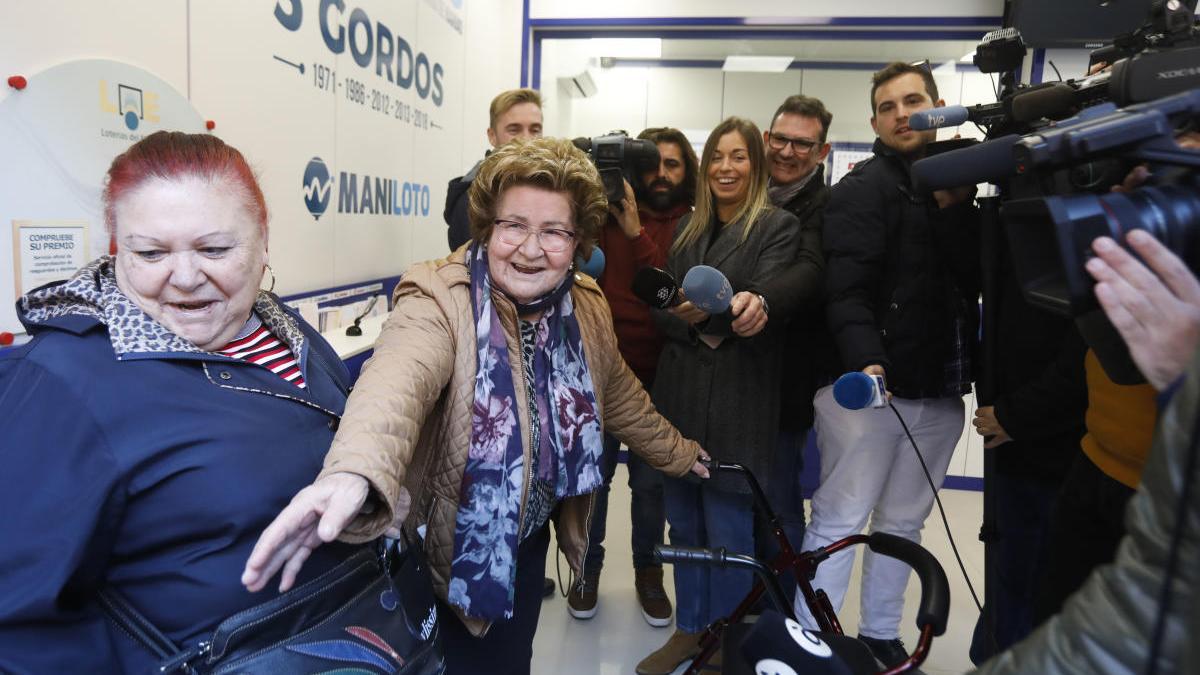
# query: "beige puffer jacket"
[[408, 420]]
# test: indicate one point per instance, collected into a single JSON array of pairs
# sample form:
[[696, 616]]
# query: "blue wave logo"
[[318, 184]]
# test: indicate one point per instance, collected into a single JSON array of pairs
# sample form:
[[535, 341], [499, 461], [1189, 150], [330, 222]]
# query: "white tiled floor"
[[617, 638]]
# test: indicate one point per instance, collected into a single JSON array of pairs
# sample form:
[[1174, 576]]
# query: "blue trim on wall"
[[1039, 64], [963, 483], [621, 62], [537, 63], [928, 21], [525, 43]]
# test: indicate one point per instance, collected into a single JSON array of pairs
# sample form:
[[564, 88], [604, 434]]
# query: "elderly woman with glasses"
[[481, 415]]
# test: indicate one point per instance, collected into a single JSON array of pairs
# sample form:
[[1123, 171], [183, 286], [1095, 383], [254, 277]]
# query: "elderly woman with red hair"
[[163, 413]]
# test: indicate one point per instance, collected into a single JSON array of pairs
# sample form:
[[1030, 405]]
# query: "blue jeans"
[[787, 500], [648, 519], [704, 517]]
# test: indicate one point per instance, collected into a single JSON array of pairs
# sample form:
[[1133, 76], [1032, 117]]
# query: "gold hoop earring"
[[267, 268]]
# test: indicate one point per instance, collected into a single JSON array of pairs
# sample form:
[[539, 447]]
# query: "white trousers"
[[869, 469]]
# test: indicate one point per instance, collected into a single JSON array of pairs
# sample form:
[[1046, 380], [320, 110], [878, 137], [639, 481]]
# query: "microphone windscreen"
[[986, 162], [855, 391], [593, 266], [936, 118], [776, 645], [707, 289], [1055, 102], [655, 287]]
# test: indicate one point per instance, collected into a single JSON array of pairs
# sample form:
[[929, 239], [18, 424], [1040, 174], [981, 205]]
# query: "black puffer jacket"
[[898, 272]]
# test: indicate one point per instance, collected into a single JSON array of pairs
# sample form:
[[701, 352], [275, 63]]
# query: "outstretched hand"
[[316, 515]]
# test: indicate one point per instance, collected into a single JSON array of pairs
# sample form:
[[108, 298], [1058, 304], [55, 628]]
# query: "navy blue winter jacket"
[[138, 462]]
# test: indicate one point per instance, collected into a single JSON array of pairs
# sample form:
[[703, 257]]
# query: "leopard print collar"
[[93, 292]]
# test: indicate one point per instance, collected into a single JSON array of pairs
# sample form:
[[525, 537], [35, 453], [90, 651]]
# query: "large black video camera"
[[1051, 236], [1057, 149], [619, 157], [1157, 60]]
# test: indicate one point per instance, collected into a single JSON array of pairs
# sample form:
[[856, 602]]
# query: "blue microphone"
[[858, 390], [707, 289], [937, 118], [593, 266]]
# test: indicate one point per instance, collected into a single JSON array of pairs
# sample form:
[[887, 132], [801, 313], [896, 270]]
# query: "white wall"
[[634, 98], [221, 54]]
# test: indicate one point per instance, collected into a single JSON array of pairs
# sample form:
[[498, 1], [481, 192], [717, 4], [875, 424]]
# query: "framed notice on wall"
[[46, 251]]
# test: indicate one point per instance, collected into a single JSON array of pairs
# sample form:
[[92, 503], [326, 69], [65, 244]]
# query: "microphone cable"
[[988, 628]]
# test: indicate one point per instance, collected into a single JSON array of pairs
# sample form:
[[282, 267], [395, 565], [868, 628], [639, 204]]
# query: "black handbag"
[[373, 613]]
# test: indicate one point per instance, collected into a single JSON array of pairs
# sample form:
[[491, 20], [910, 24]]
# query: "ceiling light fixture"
[[757, 64]]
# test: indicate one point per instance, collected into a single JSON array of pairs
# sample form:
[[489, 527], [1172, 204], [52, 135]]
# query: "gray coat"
[[727, 398], [1106, 627]]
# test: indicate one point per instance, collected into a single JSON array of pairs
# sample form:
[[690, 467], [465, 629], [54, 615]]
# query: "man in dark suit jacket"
[[902, 287], [796, 149]]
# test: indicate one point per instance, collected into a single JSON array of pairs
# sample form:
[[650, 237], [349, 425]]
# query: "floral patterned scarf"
[[483, 570]]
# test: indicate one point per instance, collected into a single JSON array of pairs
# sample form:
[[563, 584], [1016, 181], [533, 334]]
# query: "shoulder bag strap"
[[144, 632]]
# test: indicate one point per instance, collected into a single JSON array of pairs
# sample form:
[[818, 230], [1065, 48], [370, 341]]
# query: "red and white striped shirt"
[[262, 348]]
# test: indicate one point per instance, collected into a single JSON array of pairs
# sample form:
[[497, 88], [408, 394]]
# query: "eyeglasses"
[[800, 146], [552, 240]]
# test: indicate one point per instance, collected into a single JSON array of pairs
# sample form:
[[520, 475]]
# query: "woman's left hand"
[[698, 468], [750, 315]]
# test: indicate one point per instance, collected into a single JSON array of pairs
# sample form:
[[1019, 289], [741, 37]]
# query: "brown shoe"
[[680, 647], [582, 600], [656, 606]]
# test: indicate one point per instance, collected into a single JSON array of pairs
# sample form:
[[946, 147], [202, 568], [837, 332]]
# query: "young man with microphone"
[[902, 287], [637, 236]]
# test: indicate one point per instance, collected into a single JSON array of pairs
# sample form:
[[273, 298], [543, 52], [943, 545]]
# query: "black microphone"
[[986, 162], [656, 287], [1053, 101], [356, 330], [776, 645]]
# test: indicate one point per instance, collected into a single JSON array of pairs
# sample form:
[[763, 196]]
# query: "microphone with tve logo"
[[937, 118], [656, 288], [858, 390], [708, 289]]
